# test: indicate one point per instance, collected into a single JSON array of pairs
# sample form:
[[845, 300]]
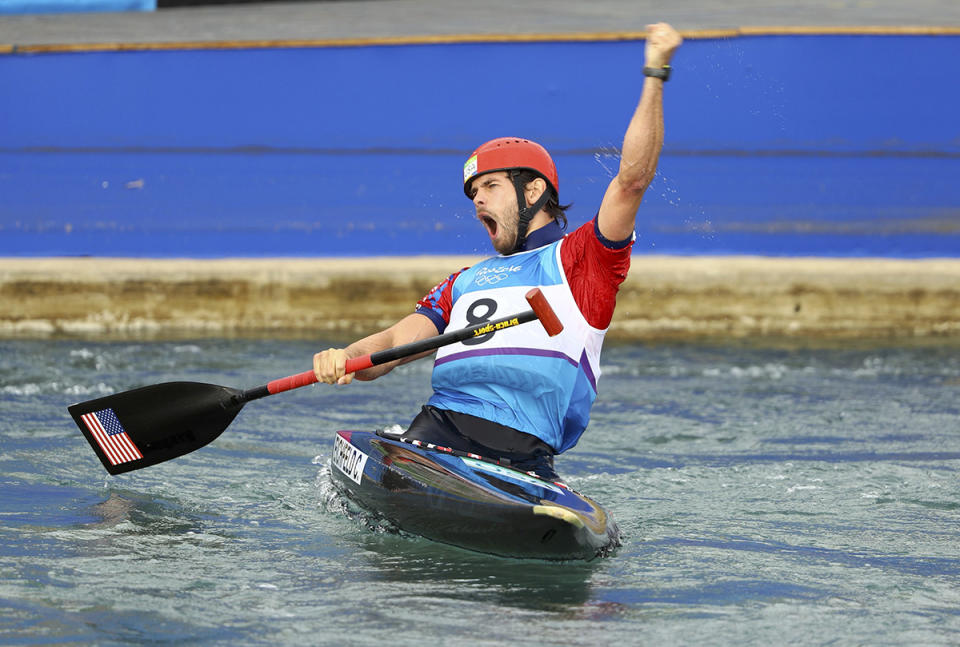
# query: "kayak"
[[468, 501]]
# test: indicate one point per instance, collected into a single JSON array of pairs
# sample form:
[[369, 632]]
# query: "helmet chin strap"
[[527, 212]]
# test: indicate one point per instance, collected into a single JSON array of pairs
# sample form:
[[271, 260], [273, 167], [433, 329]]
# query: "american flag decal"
[[111, 436]]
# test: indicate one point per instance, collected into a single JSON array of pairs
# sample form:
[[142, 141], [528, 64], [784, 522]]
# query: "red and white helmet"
[[506, 153]]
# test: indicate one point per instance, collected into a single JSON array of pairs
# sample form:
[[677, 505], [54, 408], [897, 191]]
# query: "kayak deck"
[[465, 500]]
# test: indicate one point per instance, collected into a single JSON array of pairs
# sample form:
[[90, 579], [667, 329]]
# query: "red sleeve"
[[595, 268]]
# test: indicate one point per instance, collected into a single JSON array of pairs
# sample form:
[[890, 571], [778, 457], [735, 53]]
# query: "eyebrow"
[[486, 180], [480, 181]]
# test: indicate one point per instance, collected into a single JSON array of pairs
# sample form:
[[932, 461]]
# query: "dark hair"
[[553, 207]]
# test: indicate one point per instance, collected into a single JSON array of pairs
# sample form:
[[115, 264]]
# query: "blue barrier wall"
[[73, 6], [779, 145]]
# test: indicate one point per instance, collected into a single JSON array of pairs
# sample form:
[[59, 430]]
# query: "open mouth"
[[490, 224]]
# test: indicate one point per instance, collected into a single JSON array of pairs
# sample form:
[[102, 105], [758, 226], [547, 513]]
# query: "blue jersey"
[[520, 377]]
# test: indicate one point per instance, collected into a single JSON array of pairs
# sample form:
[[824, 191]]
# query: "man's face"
[[495, 200]]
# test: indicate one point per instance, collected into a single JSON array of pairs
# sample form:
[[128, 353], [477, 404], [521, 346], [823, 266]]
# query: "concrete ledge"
[[663, 298]]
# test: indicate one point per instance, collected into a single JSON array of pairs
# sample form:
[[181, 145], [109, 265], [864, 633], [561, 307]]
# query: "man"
[[518, 395]]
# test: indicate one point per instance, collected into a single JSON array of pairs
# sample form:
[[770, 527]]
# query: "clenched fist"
[[662, 41]]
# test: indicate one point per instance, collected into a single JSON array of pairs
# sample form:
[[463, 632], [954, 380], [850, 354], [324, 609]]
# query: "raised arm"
[[329, 365], [642, 142]]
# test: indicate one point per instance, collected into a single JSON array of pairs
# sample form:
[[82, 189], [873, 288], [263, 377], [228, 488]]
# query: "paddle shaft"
[[152, 424], [540, 310]]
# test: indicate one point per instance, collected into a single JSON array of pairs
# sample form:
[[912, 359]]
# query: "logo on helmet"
[[470, 168]]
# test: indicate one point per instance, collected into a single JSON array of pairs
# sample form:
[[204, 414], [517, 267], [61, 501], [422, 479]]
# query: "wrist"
[[662, 72]]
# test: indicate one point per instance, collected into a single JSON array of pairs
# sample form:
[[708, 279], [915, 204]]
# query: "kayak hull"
[[469, 502]]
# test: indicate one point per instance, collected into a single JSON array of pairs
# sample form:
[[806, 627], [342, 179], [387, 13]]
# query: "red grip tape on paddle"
[[292, 382], [546, 315], [358, 364], [309, 377]]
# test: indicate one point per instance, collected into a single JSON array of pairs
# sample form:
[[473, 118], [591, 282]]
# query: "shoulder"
[[437, 303], [586, 241], [595, 267]]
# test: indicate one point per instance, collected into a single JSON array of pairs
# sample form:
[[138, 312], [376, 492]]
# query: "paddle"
[[152, 424]]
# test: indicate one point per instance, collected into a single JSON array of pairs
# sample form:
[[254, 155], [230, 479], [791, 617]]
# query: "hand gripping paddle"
[[152, 424]]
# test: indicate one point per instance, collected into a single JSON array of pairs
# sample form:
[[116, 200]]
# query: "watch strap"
[[662, 73]]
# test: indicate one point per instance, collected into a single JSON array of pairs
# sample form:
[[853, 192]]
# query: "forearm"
[[367, 345], [330, 365], [410, 329], [643, 140]]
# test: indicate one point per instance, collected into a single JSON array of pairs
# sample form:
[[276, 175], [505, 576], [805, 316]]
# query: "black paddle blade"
[[149, 425]]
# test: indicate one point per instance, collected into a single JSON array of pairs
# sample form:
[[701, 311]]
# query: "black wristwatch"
[[662, 73]]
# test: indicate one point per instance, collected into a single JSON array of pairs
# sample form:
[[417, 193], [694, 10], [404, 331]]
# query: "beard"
[[502, 230]]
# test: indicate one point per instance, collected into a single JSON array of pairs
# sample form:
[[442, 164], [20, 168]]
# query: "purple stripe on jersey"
[[506, 351], [588, 371]]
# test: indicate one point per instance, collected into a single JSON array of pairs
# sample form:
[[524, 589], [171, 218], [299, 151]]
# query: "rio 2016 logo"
[[493, 275]]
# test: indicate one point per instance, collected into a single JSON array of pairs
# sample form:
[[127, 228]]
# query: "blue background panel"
[[777, 145], [74, 6]]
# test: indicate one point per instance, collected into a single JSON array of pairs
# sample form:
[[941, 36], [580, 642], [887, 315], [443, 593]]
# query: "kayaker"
[[516, 394]]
